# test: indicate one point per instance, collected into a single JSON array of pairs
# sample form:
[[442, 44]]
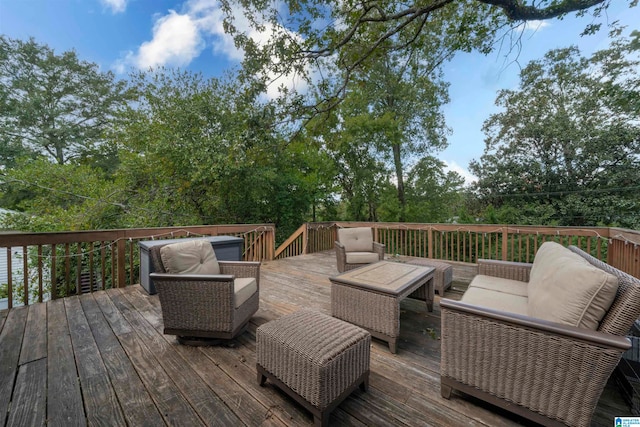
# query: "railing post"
[[505, 242], [430, 243], [305, 237]]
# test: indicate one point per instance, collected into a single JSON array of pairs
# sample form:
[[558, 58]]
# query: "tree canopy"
[[81, 150], [329, 42], [51, 105], [566, 147]]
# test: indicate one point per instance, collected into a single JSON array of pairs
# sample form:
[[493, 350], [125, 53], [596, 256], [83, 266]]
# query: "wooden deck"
[[101, 359]]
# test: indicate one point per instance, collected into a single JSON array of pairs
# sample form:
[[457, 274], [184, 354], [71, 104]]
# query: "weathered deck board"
[[137, 406], [100, 401], [10, 344], [3, 316], [34, 344], [64, 405], [101, 359], [28, 404], [171, 403]]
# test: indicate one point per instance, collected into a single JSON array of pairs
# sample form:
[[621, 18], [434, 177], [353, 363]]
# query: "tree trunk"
[[398, 166]]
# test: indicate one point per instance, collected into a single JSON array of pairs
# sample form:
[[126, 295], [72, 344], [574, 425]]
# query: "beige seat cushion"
[[498, 284], [244, 288], [358, 239], [362, 257], [190, 257], [496, 300], [566, 288]]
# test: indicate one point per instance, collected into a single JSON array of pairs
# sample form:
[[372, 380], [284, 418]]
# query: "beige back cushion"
[[566, 288], [358, 239], [190, 257]]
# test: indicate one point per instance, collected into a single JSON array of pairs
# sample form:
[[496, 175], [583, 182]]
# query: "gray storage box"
[[227, 248]]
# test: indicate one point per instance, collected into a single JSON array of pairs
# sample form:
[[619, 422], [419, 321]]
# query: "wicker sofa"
[[511, 342]]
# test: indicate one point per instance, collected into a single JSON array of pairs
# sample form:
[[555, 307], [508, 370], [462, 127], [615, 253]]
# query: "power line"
[[563, 192], [81, 196]]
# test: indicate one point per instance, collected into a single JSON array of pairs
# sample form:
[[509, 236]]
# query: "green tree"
[[566, 148], [203, 151], [399, 100], [55, 106], [62, 197], [433, 194], [360, 175]]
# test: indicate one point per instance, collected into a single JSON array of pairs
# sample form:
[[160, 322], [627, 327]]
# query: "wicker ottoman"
[[443, 276], [316, 359]]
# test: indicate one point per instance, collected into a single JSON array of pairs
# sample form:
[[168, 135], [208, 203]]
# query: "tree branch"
[[517, 11]]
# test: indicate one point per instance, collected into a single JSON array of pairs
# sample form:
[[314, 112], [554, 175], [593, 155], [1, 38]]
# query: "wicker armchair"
[[548, 372], [203, 309], [355, 248]]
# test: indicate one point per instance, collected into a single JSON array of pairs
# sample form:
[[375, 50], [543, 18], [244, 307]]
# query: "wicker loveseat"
[[203, 300], [550, 368]]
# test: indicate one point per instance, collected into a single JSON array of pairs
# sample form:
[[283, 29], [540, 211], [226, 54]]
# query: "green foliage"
[[62, 197], [435, 196], [51, 105], [198, 151], [565, 150], [334, 42]]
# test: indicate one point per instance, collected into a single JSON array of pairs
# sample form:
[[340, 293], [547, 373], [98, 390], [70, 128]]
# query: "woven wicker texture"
[[442, 278], [548, 372], [341, 256], [202, 306], [371, 310], [317, 356], [504, 269], [205, 307]]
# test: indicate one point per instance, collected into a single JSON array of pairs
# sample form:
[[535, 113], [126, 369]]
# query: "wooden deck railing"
[[41, 266], [469, 242]]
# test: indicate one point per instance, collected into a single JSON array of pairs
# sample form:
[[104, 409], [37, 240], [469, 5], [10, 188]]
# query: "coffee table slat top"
[[387, 277]]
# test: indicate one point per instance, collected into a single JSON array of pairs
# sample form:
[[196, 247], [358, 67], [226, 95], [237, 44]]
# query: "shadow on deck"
[[101, 358]]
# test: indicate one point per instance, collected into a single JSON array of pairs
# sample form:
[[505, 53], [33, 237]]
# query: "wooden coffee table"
[[370, 296]]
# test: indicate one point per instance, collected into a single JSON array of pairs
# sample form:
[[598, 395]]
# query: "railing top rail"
[[291, 238], [630, 236], [493, 228], [9, 239]]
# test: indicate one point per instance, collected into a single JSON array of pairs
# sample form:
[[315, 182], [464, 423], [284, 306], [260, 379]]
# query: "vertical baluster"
[[92, 272], [67, 269], [25, 275], [103, 264], [40, 291], [79, 266], [54, 278], [130, 262]]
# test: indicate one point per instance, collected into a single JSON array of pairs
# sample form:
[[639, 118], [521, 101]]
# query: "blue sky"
[[122, 35]]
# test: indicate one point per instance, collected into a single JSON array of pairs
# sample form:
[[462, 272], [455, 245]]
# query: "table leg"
[[430, 293]]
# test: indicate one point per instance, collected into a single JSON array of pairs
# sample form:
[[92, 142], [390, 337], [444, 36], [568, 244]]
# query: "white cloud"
[[176, 41], [179, 38], [535, 25], [116, 6], [454, 167]]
